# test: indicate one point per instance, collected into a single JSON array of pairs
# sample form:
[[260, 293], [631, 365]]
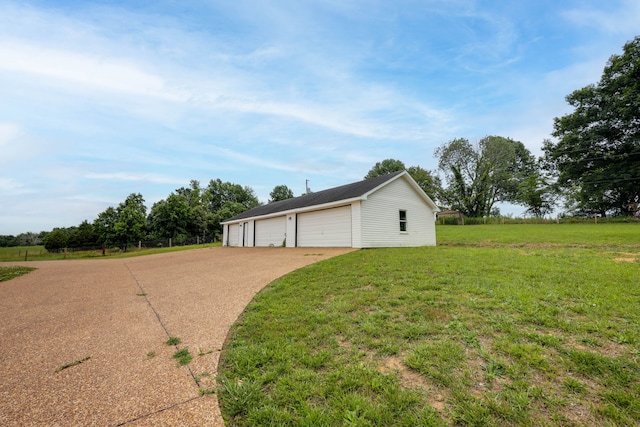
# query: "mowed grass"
[[39, 253], [498, 325], [8, 273]]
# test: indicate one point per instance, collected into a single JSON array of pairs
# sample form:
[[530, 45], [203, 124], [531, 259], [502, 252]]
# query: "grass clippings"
[[500, 325]]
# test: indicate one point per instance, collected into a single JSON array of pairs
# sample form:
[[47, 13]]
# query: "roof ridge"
[[329, 195]]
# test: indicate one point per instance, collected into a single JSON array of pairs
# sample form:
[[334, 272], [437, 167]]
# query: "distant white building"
[[386, 211]]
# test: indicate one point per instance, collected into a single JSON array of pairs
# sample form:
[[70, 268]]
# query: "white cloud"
[[102, 73], [8, 133], [17, 147], [132, 176], [607, 18], [11, 187]]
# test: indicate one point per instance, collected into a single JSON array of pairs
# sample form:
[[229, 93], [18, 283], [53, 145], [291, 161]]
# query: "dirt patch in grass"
[[625, 259], [408, 378], [580, 414], [623, 256], [436, 397]]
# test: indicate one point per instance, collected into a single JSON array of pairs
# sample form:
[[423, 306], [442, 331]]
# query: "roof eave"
[[322, 206]]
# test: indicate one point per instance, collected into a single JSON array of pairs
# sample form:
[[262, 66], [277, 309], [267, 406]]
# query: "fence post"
[[139, 244], [169, 241], [26, 254]]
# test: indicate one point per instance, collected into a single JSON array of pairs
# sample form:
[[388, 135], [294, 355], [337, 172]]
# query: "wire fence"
[[562, 220], [141, 244]]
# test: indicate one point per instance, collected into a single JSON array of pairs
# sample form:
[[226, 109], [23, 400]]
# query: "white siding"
[[381, 222], [325, 228], [356, 225], [271, 231]]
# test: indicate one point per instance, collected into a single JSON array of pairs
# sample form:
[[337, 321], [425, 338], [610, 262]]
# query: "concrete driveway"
[[114, 316]]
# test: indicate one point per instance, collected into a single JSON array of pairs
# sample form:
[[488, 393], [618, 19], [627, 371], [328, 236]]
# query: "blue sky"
[[104, 99]]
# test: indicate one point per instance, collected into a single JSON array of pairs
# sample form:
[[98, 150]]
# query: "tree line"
[[194, 210], [592, 168], [187, 212]]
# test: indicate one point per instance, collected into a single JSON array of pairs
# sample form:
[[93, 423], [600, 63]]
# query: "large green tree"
[[171, 217], [124, 224], [280, 192], [83, 236], [225, 199], [597, 155], [384, 167], [537, 195], [132, 216], [478, 176], [104, 226], [56, 240], [201, 220]]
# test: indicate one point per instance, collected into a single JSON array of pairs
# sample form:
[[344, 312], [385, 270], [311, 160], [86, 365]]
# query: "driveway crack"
[[157, 412], [162, 325]]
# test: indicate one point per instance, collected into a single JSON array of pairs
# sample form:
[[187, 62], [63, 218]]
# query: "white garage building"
[[386, 211]]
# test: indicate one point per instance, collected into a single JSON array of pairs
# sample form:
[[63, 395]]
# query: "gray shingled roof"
[[344, 192]]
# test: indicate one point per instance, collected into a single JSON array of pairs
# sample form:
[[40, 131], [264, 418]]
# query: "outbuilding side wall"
[[381, 223]]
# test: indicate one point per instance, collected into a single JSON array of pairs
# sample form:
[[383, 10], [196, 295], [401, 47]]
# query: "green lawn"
[[498, 325], [8, 273], [39, 253]]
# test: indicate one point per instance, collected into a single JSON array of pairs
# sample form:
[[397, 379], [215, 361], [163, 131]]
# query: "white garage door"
[[330, 228], [233, 237], [271, 231]]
